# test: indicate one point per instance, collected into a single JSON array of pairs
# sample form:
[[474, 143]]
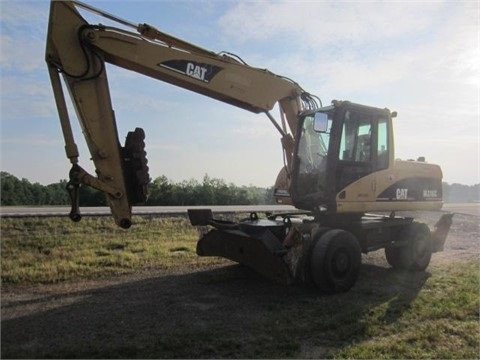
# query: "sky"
[[419, 58]]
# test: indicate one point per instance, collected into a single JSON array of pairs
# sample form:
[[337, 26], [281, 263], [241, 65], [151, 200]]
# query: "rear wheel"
[[335, 261], [394, 256], [415, 255], [419, 247]]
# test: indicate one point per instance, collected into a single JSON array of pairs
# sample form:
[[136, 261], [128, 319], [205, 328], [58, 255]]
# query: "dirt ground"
[[82, 318]]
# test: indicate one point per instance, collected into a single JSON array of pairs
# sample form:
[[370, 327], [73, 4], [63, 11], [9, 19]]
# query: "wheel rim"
[[341, 263], [335, 261], [421, 249]]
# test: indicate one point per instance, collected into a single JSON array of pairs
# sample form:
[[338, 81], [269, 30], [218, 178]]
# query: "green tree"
[[211, 191]]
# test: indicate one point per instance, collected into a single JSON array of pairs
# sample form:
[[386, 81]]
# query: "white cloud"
[[350, 45], [23, 27], [24, 97], [33, 140], [321, 23], [17, 14], [420, 58], [21, 53]]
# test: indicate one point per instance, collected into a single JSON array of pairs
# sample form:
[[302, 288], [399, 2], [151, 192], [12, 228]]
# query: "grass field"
[[386, 315], [49, 250]]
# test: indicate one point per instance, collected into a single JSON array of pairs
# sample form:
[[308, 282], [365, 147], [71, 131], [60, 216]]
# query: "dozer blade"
[[262, 252]]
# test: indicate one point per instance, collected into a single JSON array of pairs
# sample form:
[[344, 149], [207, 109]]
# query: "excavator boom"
[[78, 51]]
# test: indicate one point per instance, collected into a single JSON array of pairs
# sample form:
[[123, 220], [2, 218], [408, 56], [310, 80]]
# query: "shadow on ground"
[[228, 312]]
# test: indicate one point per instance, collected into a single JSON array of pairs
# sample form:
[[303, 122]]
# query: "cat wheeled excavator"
[[340, 171]]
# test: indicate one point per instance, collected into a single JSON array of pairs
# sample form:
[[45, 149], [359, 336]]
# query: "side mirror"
[[320, 123]]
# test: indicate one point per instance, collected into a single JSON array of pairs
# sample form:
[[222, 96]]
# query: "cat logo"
[[402, 194], [199, 71], [196, 71]]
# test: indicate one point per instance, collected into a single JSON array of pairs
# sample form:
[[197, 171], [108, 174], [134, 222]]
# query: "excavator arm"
[[78, 51]]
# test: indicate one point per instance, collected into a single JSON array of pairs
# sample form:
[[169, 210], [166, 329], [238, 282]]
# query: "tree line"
[[209, 191], [458, 193], [162, 191]]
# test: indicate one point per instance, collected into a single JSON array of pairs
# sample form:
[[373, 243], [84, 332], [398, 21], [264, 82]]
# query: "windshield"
[[313, 146], [312, 157]]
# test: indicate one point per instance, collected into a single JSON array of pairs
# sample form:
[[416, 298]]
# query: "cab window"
[[356, 140], [382, 145]]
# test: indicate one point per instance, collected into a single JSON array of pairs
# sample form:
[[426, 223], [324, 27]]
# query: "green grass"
[[49, 250], [441, 321]]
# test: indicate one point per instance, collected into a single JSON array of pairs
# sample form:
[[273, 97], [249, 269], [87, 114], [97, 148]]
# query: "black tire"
[[335, 261], [394, 256], [418, 251], [415, 255]]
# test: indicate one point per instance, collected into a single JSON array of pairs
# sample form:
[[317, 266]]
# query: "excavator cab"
[[344, 162], [337, 146]]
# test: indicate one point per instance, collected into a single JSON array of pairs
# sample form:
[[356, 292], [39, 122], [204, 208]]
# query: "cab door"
[[362, 150]]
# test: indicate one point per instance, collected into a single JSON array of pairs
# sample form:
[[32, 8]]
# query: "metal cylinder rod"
[[70, 146], [274, 122], [105, 14]]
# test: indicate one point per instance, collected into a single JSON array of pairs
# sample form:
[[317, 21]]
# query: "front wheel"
[[335, 261]]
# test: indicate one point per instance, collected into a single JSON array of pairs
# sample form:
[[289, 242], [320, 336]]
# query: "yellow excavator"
[[340, 169]]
